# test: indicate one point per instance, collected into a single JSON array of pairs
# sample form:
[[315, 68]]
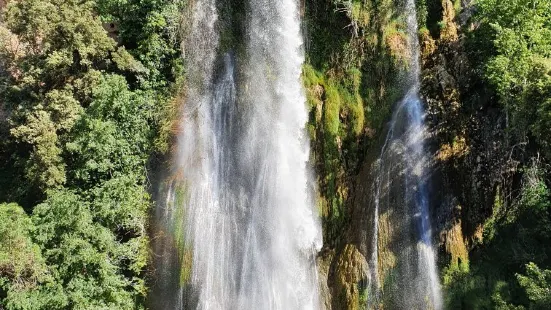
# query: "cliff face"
[[470, 167], [355, 53], [472, 163]]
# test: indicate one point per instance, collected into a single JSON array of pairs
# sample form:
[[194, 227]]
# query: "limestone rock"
[[352, 274], [449, 32]]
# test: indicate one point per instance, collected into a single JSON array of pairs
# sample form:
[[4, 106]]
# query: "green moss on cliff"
[[177, 231], [355, 51], [355, 54]]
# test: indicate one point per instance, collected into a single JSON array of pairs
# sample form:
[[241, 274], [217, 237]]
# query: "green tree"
[[82, 116], [61, 45], [22, 268], [537, 284], [84, 256], [520, 68], [114, 136], [151, 30]]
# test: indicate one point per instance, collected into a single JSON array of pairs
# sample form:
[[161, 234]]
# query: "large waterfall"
[[403, 262], [239, 202]]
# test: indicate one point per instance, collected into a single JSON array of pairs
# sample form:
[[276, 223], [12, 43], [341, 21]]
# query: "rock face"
[[352, 274], [325, 278], [468, 162], [467, 138], [449, 31], [112, 30]]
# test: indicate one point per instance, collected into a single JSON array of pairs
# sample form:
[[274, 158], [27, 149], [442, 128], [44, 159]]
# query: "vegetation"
[[507, 267], [355, 53], [520, 66], [87, 95], [516, 238], [82, 111]]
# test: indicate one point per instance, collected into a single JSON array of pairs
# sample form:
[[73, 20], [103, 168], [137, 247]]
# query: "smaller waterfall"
[[410, 279]]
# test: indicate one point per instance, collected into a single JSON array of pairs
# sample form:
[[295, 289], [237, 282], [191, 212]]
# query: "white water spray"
[[401, 190], [241, 189]]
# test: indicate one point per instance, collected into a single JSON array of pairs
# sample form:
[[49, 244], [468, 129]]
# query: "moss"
[[457, 6], [363, 299], [358, 116], [336, 117], [448, 27], [396, 40], [311, 77], [456, 247], [361, 12], [333, 104], [457, 149], [185, 253], [186, 265], [387, 258], [490, 226], [337, 98], [352, 276], [428, 44], [354, 56]]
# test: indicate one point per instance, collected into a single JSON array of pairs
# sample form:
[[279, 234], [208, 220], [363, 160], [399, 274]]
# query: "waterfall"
[[240, 197], [409, 276]]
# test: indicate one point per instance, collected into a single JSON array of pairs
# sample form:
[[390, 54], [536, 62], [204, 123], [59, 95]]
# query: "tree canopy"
[[81, 116]]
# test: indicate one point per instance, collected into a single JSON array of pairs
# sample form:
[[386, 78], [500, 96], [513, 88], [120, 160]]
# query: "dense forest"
[[90, 98], [83, 115]]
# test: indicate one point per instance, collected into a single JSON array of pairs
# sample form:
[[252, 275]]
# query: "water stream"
[[404, 276], [240, 200]]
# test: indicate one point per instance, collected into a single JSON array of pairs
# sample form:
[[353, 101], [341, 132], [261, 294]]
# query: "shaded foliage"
[[512, 238]]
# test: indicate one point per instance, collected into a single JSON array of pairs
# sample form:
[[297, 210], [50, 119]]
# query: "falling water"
[[401, 194], [240, 195]]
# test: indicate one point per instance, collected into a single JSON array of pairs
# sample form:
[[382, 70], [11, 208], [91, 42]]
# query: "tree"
[[22, 267], [113, 137], [537, 284], [82, 116], [150, 29], [83, 256], [520, 69], [61, 49]]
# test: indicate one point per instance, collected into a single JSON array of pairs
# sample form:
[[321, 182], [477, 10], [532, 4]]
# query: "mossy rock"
[[352, 274]]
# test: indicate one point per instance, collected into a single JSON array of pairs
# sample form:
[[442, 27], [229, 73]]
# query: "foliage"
[[75, 253], [84, 256], [84, 114], [150, 29], [520, 67], [354, 57], [62, 45], [514, 236], [537, 284], [113, 137], [510, 46], [22, 267]]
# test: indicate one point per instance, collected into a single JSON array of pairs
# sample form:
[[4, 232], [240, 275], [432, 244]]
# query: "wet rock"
[[352, 274], [324, 262]]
